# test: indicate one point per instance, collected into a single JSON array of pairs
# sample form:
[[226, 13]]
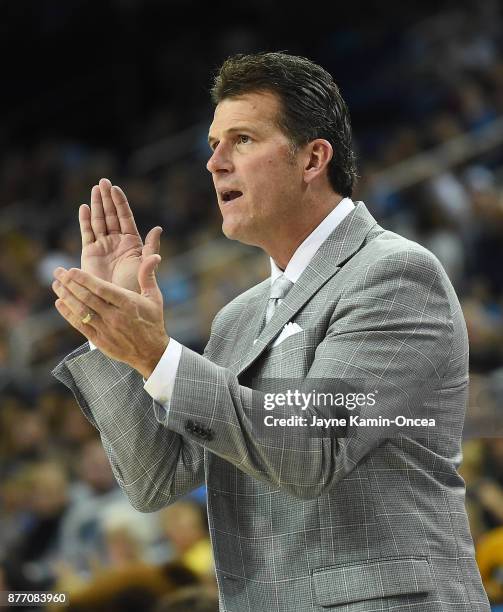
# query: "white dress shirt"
[[161, 382]]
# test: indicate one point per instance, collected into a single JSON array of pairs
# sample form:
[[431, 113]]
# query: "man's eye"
[[243, 139]]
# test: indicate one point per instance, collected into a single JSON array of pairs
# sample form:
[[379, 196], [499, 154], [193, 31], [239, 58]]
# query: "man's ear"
[[320, 153]]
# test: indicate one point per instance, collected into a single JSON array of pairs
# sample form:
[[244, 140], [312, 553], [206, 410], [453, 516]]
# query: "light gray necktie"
[[279, 289]]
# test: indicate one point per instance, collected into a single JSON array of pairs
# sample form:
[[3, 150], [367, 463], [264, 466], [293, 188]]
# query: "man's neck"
[[284, 247]]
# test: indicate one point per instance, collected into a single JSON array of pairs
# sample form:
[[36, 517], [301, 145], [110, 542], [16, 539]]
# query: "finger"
[[106, 291], [124, 212], [77, 308], [88, 331], [146, 276], [88, 300], [86, 231], [152, 242], [97, 215], [111, 219]]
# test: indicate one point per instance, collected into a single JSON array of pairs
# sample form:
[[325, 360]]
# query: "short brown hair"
[[312, 106]]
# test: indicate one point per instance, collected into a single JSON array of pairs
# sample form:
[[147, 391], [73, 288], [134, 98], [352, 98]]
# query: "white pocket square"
[[289, 330]]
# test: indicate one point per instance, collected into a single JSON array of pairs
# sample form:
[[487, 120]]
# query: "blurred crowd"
[[436, 87]]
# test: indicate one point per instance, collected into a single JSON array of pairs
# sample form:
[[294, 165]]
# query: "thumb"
[[152, 242], [146, 275]]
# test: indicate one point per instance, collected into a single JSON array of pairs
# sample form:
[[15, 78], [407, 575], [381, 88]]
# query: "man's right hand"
[[112, 248]]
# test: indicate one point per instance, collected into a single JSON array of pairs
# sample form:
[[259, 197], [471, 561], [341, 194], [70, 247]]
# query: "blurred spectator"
[[490, 561], [190, 599], [128, 589], [490, 490], [103, 527], [185, 526], [28, 563]]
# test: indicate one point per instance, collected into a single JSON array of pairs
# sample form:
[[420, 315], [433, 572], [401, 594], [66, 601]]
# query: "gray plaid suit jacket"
[[299, 523]]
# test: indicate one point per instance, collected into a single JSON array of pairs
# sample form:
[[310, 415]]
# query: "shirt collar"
[[306, 251]]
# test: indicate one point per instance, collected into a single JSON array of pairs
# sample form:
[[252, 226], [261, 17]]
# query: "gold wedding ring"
[[87, 318]]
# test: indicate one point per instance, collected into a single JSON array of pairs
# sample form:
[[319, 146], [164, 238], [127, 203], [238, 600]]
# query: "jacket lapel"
[[344, 241]]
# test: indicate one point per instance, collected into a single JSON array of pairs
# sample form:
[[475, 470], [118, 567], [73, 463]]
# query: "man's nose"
[[219, 161]]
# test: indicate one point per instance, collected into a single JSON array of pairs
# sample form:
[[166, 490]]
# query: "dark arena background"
[[120, 89]]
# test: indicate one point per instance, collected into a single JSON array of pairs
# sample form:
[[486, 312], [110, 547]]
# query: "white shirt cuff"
[[91, 345], [161, 382]]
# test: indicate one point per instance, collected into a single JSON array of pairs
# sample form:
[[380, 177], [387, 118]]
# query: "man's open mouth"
[[228, 196]]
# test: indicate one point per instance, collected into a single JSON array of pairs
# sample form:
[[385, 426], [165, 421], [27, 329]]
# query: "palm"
[[114, 258], [112, 248]]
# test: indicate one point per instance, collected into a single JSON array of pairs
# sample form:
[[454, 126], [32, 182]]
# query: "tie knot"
[[280, 287]]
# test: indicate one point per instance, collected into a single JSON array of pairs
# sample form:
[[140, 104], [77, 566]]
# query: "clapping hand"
[[124, 325], [112, 248], [114, 300]]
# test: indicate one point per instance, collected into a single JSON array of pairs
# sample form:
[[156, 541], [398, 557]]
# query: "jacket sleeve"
[[153, 465], [392, 328]]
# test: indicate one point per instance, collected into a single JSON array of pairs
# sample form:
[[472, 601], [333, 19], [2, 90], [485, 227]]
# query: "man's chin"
[[233, 231]]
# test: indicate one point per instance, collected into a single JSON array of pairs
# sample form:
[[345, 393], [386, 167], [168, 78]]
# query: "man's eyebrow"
[[233, 130]]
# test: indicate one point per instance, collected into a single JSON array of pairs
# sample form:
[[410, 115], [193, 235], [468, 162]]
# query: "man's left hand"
[[123, 324]]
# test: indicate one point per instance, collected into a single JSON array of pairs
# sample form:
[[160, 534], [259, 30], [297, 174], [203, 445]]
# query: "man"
[[299, 519]]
